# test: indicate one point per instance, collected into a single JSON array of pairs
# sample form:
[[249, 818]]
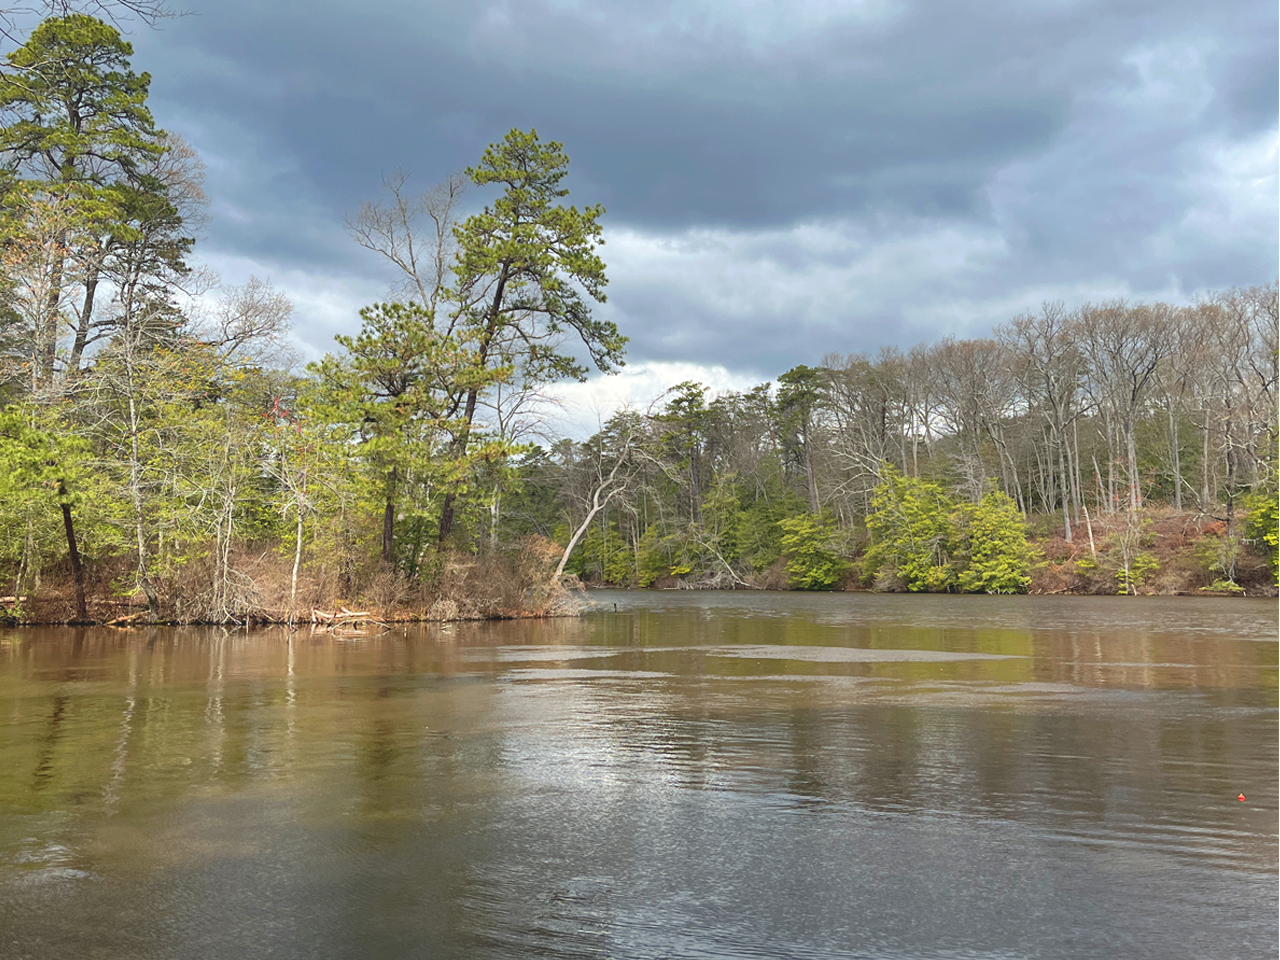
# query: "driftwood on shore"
[[344, 619], [126, 621]]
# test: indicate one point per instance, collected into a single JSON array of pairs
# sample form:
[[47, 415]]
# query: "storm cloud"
[[782, 179]]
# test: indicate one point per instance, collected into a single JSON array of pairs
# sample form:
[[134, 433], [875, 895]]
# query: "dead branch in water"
[[342, 619]]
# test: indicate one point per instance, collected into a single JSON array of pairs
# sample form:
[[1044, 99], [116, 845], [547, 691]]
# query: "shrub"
[[806, 545], [910, 528], [1260, 526], [1137, 571], [993, 536]]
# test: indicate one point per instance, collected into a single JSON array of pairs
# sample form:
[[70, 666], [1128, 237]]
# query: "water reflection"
[[718, 775]]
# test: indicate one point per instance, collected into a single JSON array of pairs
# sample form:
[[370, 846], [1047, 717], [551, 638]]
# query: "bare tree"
[[412, 233], [249, 323], [610, 465], [1124, 346], [1047, 365]]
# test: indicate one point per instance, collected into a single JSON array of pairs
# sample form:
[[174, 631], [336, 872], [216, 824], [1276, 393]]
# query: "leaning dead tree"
[[606, 486]]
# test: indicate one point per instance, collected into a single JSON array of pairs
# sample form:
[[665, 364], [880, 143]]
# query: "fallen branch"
[[343, 618]]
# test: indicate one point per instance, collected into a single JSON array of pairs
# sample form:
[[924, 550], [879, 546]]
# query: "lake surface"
[[700, 775]]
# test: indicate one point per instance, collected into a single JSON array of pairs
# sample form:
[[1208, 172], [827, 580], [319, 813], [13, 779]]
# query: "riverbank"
[[1163, 552], [262, 591]]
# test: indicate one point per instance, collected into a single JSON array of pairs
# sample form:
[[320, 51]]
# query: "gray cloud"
[[830, 175]]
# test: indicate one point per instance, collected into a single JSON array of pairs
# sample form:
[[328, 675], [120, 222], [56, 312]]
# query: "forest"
[[1115, 448], [164, 456]]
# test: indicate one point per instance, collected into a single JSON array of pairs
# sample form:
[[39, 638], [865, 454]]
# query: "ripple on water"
[[850, 654]]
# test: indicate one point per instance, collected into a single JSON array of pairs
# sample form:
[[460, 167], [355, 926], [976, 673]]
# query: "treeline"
[[161, 457], [158, 451], [1107, 429]]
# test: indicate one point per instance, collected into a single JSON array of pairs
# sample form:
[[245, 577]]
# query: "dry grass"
[[257, 588]]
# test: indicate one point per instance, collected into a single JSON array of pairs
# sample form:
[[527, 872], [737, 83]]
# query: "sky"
[[782, 180]]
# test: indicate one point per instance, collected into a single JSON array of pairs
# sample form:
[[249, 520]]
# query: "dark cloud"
[[867, 173]]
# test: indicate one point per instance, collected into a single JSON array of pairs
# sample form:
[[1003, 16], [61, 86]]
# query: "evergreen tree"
[[81, 134], [526, 268], [398, 389], [910, 528], [812, 563], [991, 545]]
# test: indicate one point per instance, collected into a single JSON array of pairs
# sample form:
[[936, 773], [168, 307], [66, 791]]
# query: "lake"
[[709, 775]]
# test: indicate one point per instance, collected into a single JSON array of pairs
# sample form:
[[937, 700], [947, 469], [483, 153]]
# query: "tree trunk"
[[596, 507], [1111, 465], [1204, 487], [1062, 477], [77, 571], [1131, 456], [297, 562], [814, 504], [473, 396], [389, 521], [82, 326], [1176, 458], [1077, 486], [135, 494], [495, 514], [47, 338]]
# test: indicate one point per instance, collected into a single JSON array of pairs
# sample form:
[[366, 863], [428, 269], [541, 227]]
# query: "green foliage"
[[603, 556], [1260, 526], [1224, 586], [30, 521], [799, 393], [654, 561], [78, 105], [991, 543], [43, 466], [522, 261], [806, 542], [396, 397], [758, 533], [1141, 568], [1216, 555], [910, 528], [927, 541]]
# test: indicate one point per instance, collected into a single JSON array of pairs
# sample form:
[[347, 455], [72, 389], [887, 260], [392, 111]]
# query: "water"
[[694, 775]]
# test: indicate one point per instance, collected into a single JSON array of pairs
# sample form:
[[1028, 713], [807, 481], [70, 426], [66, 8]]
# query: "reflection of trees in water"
[[1083, 726]]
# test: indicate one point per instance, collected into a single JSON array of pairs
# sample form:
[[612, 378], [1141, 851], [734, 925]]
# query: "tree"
[[1260, 525], [991, 542], [1124, 346], [81, 132], [525, 270], [812, 563], [681, 430], [910, 528], [799, 390], [40, 468], [413, 234], [397, 390], [1048, 369], [148, 11], [608, 468], [40, 239]]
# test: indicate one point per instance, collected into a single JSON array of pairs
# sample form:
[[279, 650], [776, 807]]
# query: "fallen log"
[[342, 618], [125, 620]]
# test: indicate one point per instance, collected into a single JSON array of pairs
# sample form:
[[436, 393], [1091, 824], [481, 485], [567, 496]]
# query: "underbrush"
[[1161, 552], [253, 584]]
